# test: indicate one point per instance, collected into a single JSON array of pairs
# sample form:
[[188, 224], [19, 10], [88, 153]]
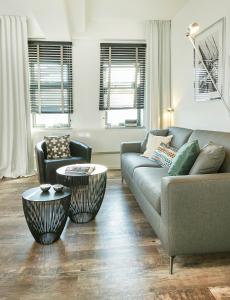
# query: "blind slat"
[[50, 65]]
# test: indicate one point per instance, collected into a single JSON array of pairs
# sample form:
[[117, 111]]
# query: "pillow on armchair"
[[57, 146]]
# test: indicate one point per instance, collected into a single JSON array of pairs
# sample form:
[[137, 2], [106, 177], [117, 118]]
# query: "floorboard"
[[116, 256]]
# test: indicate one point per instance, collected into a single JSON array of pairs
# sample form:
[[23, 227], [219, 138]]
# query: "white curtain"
[[159, 73], [16, 155]]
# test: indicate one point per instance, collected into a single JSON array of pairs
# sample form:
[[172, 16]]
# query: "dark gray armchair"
[[80, 153]]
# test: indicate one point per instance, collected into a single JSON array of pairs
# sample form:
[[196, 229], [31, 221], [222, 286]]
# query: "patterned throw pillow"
[[154, 142], [57, 146], [164, 155]]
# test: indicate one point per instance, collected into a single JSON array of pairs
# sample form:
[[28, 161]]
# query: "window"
[[122, 84], [50, 65]]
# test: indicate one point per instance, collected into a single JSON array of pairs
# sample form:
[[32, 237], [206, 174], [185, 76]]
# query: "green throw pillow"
[[184, 159]]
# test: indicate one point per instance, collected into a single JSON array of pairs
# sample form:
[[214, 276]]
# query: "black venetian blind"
[[50, 65], [122, 76]]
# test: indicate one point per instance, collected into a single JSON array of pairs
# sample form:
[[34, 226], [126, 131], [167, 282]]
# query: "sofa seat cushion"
[[51, 165], [131, 161], [148, 181]]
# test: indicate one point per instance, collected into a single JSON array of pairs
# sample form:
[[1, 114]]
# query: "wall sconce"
[[170, 109], [191, 32]]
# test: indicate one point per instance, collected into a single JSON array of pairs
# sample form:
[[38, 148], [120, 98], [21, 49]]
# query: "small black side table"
[[87, 191], [46, 213]]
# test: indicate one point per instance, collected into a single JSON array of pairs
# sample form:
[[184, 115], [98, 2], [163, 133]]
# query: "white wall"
[[188, 113], [87, 22], [51, 15], [91, 22]]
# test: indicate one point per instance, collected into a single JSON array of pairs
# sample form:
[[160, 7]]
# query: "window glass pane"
[[123, 75], [121, 98], [51, 120], [51, 72], [124, 118]]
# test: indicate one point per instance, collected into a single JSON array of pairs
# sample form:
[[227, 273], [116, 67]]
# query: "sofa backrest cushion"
[[161, 132], [220, 138], [180, 136]]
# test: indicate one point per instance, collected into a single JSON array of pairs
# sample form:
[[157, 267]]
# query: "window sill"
[[123, 127], [51, 128]]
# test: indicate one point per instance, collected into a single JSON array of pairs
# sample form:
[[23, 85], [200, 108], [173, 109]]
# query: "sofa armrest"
[[80, 149], [131, 147], [40, 158], [195, 212]]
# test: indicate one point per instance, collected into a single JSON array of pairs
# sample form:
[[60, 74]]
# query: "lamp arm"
[[210, 75]]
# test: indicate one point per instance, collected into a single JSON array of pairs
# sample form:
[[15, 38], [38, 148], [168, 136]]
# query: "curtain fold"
[[159, 72], [16, 155]]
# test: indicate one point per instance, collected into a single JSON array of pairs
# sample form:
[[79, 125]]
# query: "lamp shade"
[[193, 29]]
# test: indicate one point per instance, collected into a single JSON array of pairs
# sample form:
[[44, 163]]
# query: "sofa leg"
[[122, 179], [171, 264]]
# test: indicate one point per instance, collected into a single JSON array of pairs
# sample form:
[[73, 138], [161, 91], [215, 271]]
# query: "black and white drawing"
[[210, 43]]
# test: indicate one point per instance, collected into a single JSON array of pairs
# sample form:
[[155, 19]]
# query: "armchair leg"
[[122, 179], [171, 258]]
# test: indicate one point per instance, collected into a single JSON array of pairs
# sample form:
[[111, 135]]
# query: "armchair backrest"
[[43, 146]]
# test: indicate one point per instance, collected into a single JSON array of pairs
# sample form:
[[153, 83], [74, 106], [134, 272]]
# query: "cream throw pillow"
[[154, 142]]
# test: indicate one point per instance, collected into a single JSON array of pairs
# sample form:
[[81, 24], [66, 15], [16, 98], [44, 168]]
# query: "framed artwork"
[[211, 44]]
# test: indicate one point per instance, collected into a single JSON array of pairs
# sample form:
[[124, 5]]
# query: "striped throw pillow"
[[164, 155]]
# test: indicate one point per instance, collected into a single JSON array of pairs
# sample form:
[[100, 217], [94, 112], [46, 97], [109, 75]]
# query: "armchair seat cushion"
[[148, 181], [51, 165], [131, 161]]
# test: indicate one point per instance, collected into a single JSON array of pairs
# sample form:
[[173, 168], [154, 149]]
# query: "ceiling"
[[63, 19]]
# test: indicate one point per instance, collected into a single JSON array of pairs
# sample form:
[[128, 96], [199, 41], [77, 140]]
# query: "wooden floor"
[[116, 256]]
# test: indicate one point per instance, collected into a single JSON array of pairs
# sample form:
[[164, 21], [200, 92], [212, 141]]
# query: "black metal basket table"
[[87, 191], [46, 213]]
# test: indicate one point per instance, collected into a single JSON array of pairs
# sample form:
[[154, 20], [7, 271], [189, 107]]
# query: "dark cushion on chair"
[[57, 146], [51, 165]]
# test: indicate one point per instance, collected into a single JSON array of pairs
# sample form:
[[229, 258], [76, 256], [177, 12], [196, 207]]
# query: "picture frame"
[[211, 44]]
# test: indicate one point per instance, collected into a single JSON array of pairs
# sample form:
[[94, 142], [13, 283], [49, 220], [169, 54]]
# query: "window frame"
[[140, 112], [65, 63]]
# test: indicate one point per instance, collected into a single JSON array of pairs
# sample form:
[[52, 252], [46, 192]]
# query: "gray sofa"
[[190, 214]]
